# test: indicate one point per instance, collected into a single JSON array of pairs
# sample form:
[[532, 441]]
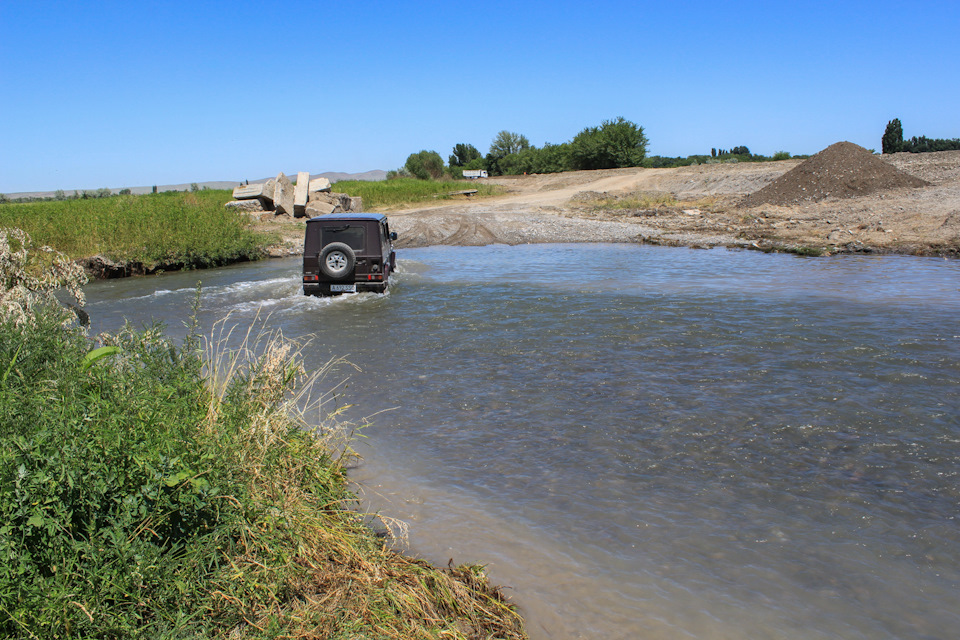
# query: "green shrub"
[[424, 165], [615, 143]]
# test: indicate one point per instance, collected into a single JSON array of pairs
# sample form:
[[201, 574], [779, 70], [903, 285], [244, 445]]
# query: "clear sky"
[[116, 94]]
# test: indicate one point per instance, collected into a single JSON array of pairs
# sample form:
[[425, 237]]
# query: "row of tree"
[[893, 142], [615, 143]]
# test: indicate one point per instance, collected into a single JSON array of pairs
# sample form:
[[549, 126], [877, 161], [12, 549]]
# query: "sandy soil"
[[562, 208]]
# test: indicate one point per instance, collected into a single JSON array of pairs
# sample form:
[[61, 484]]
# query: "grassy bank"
[[169, 230], [158, 490], [386, 194]]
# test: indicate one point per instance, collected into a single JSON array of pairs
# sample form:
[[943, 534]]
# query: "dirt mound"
[[842, 170]]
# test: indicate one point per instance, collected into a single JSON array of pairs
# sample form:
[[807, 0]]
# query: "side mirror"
[[393, 235]]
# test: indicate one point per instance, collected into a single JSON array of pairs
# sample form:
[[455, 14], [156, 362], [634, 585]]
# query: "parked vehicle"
[[474, 173], [347, 253]]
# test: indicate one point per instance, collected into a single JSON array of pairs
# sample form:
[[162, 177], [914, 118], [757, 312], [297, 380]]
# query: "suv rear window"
[[351, 235]]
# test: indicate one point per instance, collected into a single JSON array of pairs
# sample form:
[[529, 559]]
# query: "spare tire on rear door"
[[337, 260]]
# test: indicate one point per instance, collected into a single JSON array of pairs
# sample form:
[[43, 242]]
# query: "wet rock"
[[103, 268]]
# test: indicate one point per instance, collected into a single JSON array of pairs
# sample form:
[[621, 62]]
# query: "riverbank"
[[137, 498], [695, 206], [167, 489], [136, 235], [701, 208]]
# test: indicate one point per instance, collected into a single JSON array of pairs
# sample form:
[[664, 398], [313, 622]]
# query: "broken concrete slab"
[[318, 184], [245, 205], [248, 191], [267, 197], [350, 205], [322, 196], [283, 195], [319, 208], [300, 194]]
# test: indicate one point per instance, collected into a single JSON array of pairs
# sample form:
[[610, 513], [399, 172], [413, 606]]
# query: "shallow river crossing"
[[646, 442]]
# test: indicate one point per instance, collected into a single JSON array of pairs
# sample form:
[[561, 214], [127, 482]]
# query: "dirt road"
[[698, 206]]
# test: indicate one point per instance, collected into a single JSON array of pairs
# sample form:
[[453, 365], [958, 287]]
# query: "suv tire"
[[337, 260]]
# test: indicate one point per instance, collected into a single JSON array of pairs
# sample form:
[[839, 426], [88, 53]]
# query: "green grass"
[[174, 230], [156, 490], [400, 192]]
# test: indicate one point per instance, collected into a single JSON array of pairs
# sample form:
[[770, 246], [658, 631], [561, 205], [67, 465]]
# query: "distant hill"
[[332, 176]]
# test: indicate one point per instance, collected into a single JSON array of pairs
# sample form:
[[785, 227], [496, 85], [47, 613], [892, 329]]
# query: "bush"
[[463, 154], [924, 144], [615, 143], [424, 165]]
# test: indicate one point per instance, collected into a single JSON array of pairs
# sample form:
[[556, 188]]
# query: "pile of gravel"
[[842, 170]]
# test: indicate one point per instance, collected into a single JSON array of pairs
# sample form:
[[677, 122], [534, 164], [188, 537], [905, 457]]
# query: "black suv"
[[347, 253]]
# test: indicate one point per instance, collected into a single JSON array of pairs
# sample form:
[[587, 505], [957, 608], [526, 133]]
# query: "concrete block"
[[267, 196], [318, 184], [323, 196], [245, 205], [283, 195], [318, 208], [248, 191], [300, 194], [350, 205]]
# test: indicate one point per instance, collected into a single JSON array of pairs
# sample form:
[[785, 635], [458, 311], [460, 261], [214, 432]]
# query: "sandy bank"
[[561, 208]]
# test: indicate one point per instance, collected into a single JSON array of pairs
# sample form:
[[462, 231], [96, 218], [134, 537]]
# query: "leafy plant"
[[463, 154], [424, 165], [615, 143], [892, 140]]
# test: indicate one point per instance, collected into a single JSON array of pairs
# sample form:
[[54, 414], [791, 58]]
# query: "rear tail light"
[[311, 278]]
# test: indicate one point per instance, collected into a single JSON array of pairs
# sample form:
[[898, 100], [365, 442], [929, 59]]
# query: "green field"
[[386, 194], [169, 230]]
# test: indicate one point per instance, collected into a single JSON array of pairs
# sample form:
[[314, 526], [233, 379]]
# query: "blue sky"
[[115, 94]]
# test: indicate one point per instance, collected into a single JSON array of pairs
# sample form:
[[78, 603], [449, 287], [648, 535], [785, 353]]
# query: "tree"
[[425, 165], [892, 140], [508, 142], [462, 154], [615, 143]]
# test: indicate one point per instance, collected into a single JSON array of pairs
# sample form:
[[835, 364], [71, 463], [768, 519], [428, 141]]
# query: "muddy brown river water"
[[647, 442]]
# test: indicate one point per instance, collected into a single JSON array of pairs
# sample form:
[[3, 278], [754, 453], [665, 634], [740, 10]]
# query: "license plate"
[[343, 288]]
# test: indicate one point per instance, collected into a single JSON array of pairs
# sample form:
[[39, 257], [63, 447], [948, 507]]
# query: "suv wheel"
[[337, 260]]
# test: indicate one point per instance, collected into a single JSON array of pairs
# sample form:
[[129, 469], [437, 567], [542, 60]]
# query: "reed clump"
[[170, 229], [158, 490]]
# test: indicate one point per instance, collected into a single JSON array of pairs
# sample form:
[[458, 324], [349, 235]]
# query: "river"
[[645, 442]]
